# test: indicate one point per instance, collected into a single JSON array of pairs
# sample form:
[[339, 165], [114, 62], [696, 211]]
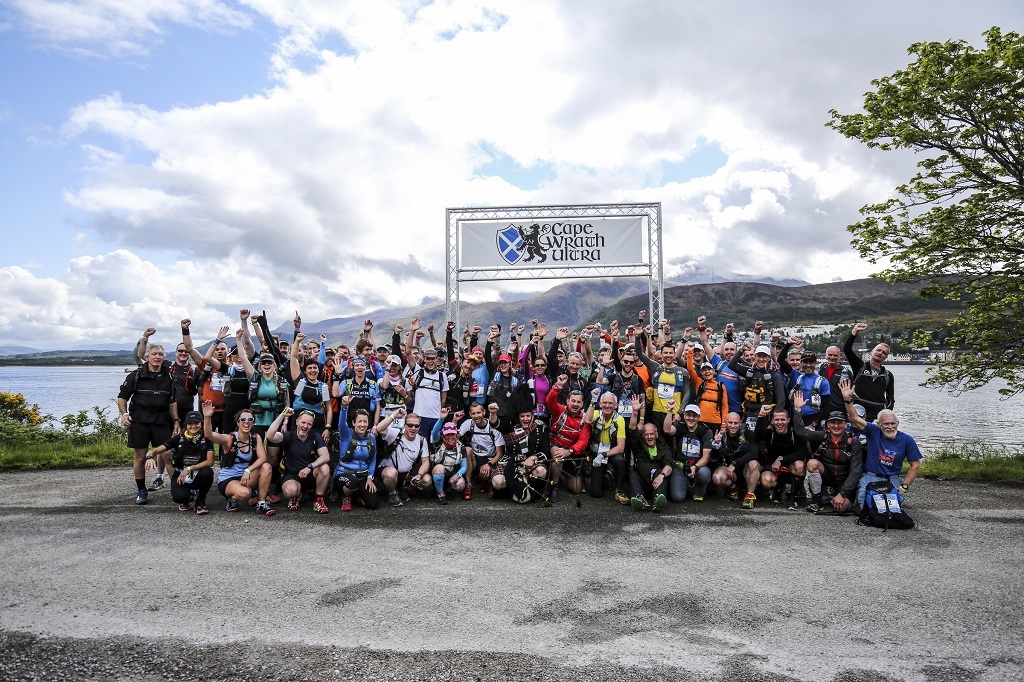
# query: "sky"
[[164, 159]]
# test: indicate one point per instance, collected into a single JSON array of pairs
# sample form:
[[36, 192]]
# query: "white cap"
[[763, 349]]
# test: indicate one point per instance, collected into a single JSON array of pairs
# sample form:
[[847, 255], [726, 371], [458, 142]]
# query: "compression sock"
[[439, 483], [814, 483], [140, 483]]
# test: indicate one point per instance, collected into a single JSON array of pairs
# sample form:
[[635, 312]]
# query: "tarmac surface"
[[93, 587]]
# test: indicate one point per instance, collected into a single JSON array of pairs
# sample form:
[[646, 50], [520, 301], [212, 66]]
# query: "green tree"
[[958, 223]]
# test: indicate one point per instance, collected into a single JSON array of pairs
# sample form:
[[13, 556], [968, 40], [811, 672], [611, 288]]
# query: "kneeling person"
[[304, 458], [192, 462], [449, 461]]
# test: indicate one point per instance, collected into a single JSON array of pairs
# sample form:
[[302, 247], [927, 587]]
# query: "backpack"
[[883, 508]]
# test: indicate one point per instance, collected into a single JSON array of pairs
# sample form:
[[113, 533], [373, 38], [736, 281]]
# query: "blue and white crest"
[[510, 244]]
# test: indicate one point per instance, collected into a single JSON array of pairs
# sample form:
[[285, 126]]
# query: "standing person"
[[873, 384], [310, 394], [191, 464], [304, 459], [147, 407], [668, 382], [709, 394], [759, 385], [244, 470], [428, 385], [186, 386]]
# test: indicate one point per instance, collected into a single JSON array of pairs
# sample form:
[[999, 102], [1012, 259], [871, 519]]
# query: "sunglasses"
[[245, 420], [412, 426], [266, 362]]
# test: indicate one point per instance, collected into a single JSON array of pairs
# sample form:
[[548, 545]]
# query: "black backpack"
[[883, 508]]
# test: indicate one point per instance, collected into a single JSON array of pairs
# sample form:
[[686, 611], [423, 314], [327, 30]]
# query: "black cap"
[[193, 416], [836, 415], [809, 355]]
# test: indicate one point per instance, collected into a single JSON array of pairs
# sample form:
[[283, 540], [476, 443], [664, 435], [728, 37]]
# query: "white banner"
[[552, 242]]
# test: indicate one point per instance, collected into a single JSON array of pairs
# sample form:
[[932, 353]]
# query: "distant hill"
[[564, 305], [68, 358], [15, 350], [743, 303]]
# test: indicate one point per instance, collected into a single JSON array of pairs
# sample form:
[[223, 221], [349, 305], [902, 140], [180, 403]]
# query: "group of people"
[[525, 413]]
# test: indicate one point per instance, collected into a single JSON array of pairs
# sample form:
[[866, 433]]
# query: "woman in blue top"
[[357, 458], [244, 470]]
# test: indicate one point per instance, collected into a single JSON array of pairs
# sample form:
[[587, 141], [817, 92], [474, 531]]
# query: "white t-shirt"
[[481, 442], [407, 452], [427, 398]]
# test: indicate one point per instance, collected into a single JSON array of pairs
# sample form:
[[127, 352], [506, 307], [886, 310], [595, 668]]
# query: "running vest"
[[234, 454], [565, 433], [310, 395], [368, 442], [448, 457], [500, 390], [189, 452]]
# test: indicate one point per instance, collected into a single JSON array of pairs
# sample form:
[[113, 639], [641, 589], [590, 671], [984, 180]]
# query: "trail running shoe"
[[395, 501], [265, 509], [813, 507], [734, 493], [157, 483], [639, 503], [468, 495], [346, 503], [698, 498], [442, 498], [201, 510], [232, 505], [293, 504], [659, 502], [142, 497], [621, 499], [183, 506], [748, 501], [320, 507]]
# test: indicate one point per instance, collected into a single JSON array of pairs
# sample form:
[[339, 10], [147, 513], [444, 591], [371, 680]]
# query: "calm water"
[[930, 416]]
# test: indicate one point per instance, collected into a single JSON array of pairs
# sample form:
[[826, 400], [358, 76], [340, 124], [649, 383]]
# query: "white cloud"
[[328, 190], [119, 27]]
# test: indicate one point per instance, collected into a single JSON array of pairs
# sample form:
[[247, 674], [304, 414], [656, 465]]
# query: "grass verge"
[[975, 460], [64, 455]]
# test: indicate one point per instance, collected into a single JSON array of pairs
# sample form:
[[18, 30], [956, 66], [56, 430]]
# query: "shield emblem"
[[510, 245]]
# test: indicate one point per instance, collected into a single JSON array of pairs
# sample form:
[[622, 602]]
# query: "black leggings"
[[370, 500], [201, 484], [597, 476]]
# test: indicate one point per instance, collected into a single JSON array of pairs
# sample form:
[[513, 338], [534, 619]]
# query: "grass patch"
[[64, 455], [975, 460], [30, 439]]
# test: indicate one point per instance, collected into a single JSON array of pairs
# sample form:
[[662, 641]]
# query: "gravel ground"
[[96, 588]]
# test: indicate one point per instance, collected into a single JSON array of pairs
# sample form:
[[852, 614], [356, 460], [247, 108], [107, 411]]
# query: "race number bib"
[[216, 381], [666, 391], [625, 408]]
